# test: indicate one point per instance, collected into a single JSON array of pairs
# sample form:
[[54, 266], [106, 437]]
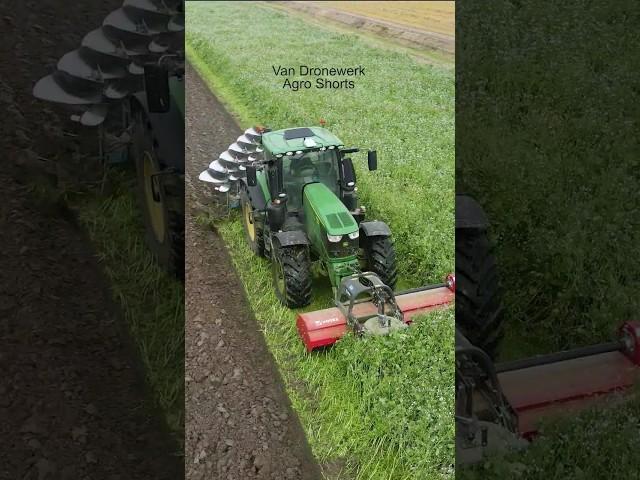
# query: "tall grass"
[[601, 442], [382, 408], [152, 301], [547, 112]]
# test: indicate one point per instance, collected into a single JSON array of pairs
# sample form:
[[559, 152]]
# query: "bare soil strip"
[[239, 422], [408, 35], [433, 16]]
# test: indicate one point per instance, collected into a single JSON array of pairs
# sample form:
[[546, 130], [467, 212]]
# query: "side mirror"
[[156, 85], [252, 178], [348, 174], [372, 158]]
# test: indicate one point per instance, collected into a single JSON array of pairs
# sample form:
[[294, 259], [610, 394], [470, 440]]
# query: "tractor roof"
[[292, 139]]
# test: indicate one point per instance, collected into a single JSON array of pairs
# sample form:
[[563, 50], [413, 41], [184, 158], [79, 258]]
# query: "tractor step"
[[325, 327]]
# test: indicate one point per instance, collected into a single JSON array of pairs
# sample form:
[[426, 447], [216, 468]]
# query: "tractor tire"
[[479, 313], [380, 258], [161, 200], [291, 270], [252, 232]]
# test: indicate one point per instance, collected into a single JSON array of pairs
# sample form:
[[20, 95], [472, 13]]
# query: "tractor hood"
[[329, 210]]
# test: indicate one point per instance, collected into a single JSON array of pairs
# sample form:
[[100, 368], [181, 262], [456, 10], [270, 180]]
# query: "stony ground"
[[73, 404], [239, 422]]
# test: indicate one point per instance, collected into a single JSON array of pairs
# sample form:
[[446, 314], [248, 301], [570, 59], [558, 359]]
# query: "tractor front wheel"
[[380, 258], [291, 268]]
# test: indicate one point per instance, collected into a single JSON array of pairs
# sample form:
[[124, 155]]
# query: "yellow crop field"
[[438, 16]]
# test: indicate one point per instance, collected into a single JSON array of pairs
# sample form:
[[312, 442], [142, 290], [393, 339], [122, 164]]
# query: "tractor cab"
[[300, 169], [295, 157]]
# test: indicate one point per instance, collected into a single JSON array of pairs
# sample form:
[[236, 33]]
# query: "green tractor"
[[299, 206]]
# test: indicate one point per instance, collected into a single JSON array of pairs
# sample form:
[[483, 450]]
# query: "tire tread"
[[479, 313]]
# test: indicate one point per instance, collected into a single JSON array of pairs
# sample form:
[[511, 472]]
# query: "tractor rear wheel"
[[253, 233], [380, 258], [162, 199], [479, 313], [291, 269]]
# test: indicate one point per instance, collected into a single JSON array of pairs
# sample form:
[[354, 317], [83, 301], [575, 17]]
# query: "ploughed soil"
[[73, 403], [239, 423]]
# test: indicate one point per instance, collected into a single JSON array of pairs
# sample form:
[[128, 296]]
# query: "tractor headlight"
[[334, 238], [354, 235]]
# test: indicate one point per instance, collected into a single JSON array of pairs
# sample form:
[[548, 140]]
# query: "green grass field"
[[550, 153], [381, 408]]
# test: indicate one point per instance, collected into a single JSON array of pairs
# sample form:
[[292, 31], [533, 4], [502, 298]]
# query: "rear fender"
[[375, 228], [256, 196], [469, 214], [168, 132], [294, 237]]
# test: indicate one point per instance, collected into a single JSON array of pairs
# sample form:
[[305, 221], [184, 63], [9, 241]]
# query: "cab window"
[[308, 167]]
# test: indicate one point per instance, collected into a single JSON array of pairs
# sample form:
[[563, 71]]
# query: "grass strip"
[[549, 151], [152, 301]]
